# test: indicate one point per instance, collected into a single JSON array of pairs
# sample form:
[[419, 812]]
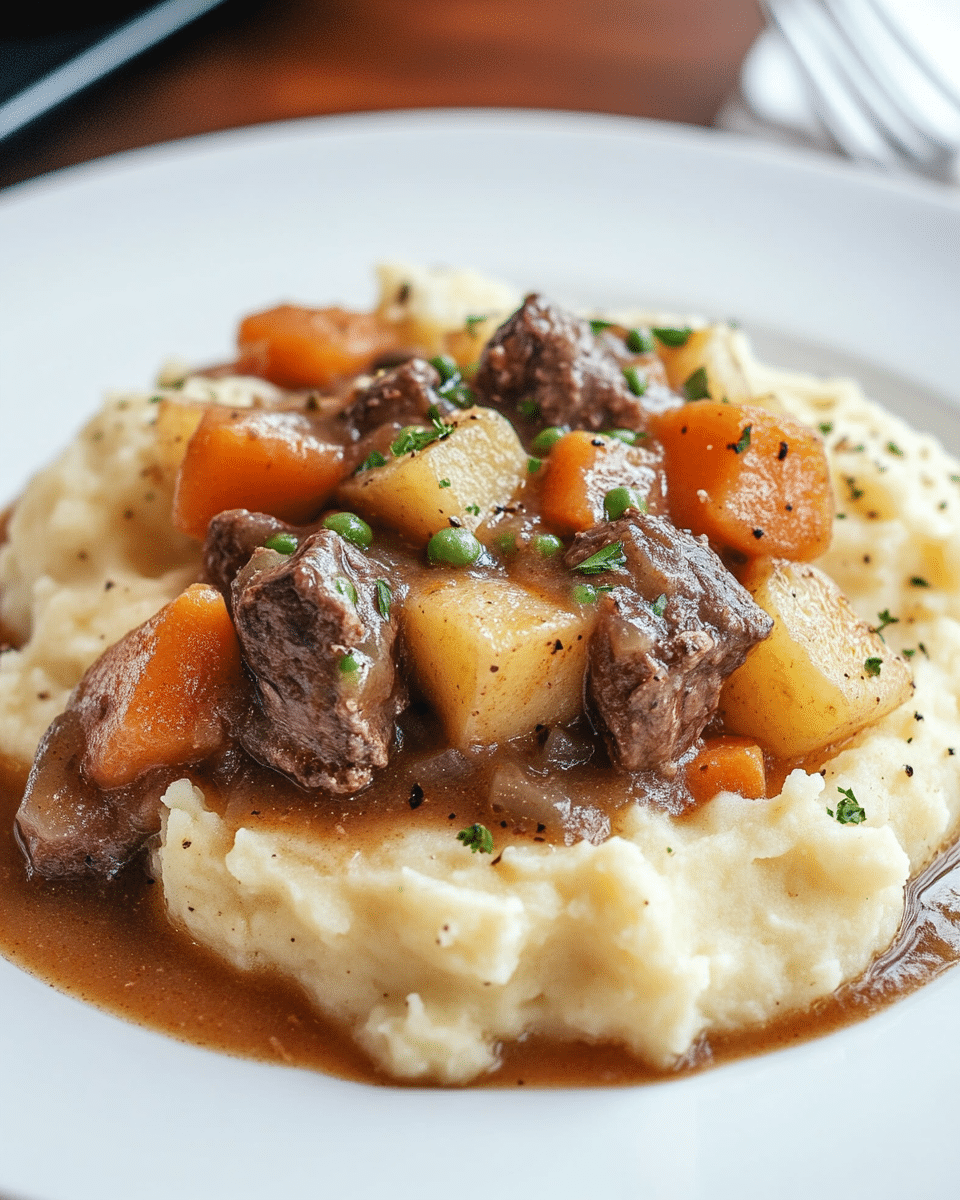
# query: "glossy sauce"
[[110, 944]]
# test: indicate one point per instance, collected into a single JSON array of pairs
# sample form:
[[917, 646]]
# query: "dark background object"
[[251, 61]]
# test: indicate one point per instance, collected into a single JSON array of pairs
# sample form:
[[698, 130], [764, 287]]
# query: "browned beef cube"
[[671, 629], [232, 536], [403, 395], [324, 659], [549, 356]]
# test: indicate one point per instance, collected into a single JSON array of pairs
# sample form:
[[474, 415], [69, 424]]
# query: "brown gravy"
[[111, 945]]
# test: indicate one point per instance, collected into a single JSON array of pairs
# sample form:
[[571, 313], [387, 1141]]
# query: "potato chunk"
[[495, 659], [820, 677], [711, 352], [463, 475]]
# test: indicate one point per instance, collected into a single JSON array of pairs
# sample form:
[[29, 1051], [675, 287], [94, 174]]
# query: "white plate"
[[111, 267]]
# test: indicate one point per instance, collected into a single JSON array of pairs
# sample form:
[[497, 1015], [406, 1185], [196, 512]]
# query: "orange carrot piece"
[[269, 462], [297, 347], [583, 467], [164, 688], [753, 481], [727, 764]]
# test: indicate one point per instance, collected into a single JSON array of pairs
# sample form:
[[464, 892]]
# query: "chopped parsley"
[[659, 605], [446, 367], [384, 598], [373, 459], [825, 427], [414, 437], [534, 464], [638, 342], [608, 559], [856, 493], [848, 811], [872, 666], [743, 443], [885, 619], [672, 337], [477, 837], [473, 510], [348, 665], [471, 323], [636, 382], [696, 386], [599, 326], [918, 581], [444, 483], [893, 448]]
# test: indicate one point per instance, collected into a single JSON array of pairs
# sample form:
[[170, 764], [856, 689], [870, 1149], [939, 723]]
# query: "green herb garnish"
[[739, 447], [599, 326], [444, 483], [477, 837], [373, 459], [348, 665], [659, 605], [885, 620], [848, 811], [608, 559], [534, 464], [918, 581], [636, 382], [413, 437], [345, 588], [471, 324], [872, 666], [697, 387], [893, 448], [473, 510], [672, 337], [825, 427], [446, 367], [384, 598], [638, 342]]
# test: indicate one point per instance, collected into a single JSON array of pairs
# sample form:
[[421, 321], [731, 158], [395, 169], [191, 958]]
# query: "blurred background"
[[877, 81], [250, 61]]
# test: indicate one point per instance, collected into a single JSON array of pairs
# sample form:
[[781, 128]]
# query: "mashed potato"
[[670, 929]]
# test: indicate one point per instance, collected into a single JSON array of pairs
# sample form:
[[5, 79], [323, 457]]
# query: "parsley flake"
[[373, 459], [471, 323], [825, 427], [384, 598], [473, 510], [659, 605], [893, 448], [608, 559], [672, 337], [599, 326], [848, 811], [638, 342], [872, 666], [885, 619], [696, 386], [347, 664], [744, 442], [636, 382], [444, 483], [918, 581], [414, 437], [477, 837]]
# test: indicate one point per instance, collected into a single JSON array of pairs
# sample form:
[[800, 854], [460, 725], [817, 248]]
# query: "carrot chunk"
[[753, 481], [584, 466], [156, 697], [297, 347], [269, 462], [727, 764]]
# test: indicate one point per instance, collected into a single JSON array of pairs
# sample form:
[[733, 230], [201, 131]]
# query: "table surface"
[[253, 61]]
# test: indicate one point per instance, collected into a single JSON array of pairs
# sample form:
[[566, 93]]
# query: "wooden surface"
[[266, 60]]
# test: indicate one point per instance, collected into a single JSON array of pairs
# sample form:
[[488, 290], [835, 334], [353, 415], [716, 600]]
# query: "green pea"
[[583, 593], [283, 543], [546, 438], [619, 499], [454, 548], [351, 528], [546, 545]]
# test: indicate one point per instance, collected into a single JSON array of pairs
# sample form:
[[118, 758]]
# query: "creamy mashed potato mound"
[[671, 929]]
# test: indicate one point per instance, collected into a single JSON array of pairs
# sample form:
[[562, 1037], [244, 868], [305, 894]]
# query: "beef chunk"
[[403, 394], [550, 356], [323, 658], [68, 826], [232, 536], [673, 627]]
